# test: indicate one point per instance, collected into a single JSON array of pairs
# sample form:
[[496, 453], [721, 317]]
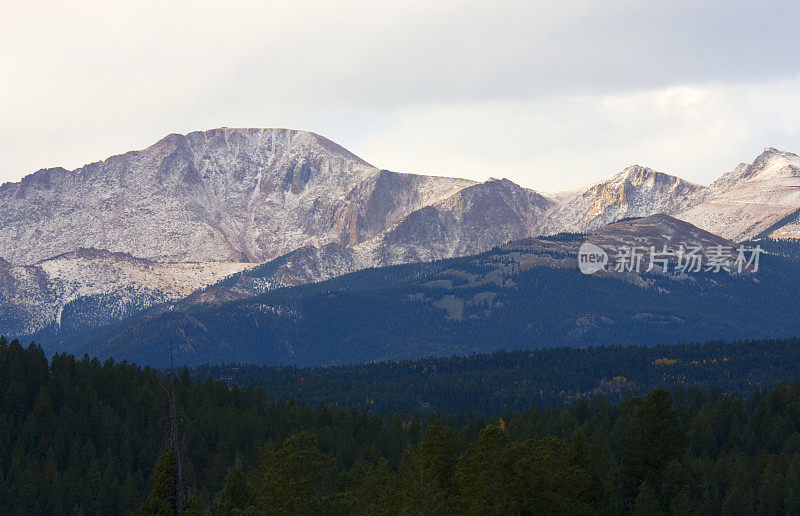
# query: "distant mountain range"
[[274, 208]]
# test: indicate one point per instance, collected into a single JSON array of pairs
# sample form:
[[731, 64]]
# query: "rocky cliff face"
[[470, 221], [239, 196], [757, 199], [635, 192]]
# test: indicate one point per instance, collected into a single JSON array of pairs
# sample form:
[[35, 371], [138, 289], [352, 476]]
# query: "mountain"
[[239, 195], [457, 226], [656, 230], [242, 196], [760, 199], [635, 192], [474, 219], [245, 196], [523, 295]]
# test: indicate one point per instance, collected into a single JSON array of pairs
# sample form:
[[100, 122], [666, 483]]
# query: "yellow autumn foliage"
[[665, 361]]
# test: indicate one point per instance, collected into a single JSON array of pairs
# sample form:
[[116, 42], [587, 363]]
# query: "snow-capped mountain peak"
[[755, 199], [636, 191], [770, 164], [220, 195]]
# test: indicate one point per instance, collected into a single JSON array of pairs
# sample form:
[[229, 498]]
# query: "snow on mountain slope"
[[87, 288], [308, 264], [220, 195], [759, 199], [525, 292], [635, 192]]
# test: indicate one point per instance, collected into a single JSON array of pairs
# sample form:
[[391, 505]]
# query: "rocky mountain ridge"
[[243, 195], [760, 199], [637, 191], [89, 287], [169, 220]]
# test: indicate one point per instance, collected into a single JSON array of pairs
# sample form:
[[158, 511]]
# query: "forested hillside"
[[505, 299], [80, 436], [786, 247], [517, 380]]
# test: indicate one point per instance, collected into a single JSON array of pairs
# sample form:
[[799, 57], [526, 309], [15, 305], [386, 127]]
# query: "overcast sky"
[[551, 95]]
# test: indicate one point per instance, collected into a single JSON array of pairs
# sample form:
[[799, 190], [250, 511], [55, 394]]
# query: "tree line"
[[78, 436], [516, 380]]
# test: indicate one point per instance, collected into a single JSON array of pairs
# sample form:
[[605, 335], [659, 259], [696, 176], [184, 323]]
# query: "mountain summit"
[[222, 195], [754, 200], [637, 191], [238, 197]]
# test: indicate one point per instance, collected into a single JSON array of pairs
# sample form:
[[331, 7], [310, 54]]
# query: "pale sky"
[[551, 95]]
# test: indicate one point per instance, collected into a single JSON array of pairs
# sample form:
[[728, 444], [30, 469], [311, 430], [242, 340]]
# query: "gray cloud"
[[546, 93]]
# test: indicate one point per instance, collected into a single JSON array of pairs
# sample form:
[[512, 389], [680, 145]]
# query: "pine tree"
[[646, 503], [235, 494], [792, 485], [375, 490], [740, 498], [298, 478], [480, 473], [657, 438], [771, 492], [543, 478], [161, 500], [426, 473]]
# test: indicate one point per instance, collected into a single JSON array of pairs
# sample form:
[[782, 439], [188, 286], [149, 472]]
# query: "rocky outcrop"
[[759, 199]]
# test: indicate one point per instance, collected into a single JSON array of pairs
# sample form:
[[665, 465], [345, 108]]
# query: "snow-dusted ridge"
[[753, 199], [635, 192], [95, 287], [220, 195]]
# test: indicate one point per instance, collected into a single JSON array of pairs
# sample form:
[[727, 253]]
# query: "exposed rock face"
[[243, 195], [457, 225], [473, 220], [88, 288], [759, 199], [635, 192], [308, 264]]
